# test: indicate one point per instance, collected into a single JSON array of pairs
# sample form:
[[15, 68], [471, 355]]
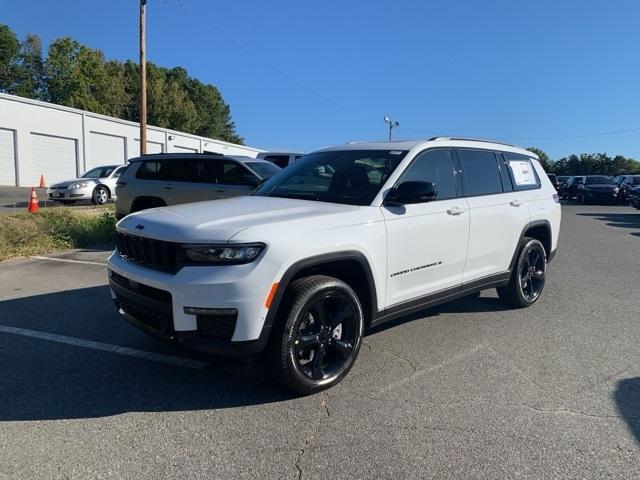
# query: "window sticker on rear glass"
[[522, 172]]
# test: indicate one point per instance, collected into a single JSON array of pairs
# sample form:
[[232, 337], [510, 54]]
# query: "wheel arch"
[[352, 267], [541, 231], [106, 187], [147, 200]]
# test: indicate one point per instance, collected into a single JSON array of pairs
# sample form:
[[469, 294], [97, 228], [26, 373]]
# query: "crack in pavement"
[[324, 403], [415, 372], [553, 411]]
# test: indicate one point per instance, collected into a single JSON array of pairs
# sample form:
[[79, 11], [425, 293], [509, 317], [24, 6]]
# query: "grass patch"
[[53, 229]]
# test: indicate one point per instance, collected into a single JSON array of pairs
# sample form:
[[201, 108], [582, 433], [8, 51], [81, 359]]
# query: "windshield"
[[353, 177], [263, 169], [635, 181], [600, 180], [100, 172]]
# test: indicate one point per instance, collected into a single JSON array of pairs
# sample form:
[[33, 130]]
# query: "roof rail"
[[469, 139]]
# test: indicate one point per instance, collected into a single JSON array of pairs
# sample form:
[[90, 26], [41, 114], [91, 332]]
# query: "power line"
[[566, 137]]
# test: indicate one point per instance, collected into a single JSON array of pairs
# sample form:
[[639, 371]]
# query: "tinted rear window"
[[480, 172]]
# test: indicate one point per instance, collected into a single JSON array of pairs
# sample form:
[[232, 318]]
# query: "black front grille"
[[146, 290], [217, 327], [148, 305], [156, 254], [160, 321]]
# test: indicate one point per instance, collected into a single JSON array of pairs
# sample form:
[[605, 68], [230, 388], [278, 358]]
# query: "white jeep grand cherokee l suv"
[[342, 240]]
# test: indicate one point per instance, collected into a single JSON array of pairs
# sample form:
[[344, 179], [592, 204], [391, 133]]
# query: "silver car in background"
[[165, 179], [97, 185]]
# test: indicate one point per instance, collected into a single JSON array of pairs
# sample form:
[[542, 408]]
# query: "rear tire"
[[320, 333], [528, 276]]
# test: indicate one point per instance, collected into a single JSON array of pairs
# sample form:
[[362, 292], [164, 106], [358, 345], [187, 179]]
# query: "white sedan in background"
[[97, 185]]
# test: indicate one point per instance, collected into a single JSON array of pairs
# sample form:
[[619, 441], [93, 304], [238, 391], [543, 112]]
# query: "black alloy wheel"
[[528, 276], [318, 334], [532, 274], [326, 336]]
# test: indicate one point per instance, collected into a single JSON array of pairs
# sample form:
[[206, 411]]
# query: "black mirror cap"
[[412, 192]]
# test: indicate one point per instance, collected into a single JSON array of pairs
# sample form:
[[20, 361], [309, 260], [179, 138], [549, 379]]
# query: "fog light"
[[210, 311]]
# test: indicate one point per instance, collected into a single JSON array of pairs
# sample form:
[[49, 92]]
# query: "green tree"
[[61, 82], [9, 50], [78, 76], [29, 75]]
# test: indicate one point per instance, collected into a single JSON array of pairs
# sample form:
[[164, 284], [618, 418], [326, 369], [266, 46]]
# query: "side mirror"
[[412, 192]]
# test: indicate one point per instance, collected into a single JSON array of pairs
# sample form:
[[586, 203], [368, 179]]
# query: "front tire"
[[528, 276], [100, 195], [320, 337]]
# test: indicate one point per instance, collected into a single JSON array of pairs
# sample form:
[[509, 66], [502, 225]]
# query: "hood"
[[219, 220], [66, 183]]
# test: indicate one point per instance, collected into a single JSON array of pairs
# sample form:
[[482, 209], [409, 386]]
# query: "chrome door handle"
[[455, 211], [515, 203]]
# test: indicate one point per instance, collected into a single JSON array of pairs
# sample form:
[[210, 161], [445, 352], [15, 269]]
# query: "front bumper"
[[70, 194], [155, 302]]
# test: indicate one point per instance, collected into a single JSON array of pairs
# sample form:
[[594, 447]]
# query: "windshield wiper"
[[299, 196]]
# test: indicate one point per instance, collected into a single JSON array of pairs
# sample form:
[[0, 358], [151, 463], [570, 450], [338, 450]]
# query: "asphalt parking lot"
[[465, 390]]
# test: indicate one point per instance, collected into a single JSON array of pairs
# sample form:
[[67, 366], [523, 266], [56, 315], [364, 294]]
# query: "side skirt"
[[443, 296]]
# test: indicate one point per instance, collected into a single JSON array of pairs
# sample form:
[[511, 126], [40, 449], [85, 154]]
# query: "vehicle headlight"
[[222, 254], [616, 189], [79, 185]]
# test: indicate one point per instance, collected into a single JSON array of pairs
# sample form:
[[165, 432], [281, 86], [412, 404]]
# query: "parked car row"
[[597, 188], [165, 179]]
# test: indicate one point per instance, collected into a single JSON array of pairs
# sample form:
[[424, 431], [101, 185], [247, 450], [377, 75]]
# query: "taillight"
[[556, 198]]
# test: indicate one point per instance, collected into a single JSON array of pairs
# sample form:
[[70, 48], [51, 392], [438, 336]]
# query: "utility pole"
[[392, 125], [143, 79]]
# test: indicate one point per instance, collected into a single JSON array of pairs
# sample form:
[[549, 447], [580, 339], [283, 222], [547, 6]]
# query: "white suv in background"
[[344, 239]]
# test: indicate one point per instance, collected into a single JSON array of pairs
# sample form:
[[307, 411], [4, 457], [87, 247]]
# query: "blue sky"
[[302, 74]]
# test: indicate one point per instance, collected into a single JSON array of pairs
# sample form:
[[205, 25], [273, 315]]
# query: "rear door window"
[[480, 172]]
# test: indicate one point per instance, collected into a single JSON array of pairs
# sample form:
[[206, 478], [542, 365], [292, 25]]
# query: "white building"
[[40, 138]]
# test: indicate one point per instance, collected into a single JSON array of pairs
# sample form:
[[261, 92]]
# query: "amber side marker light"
[[272, 293]]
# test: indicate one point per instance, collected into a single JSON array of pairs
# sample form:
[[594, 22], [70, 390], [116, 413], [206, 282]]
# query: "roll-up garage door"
[[152, 147], [178, 148], [7, 157], [53, 157], [104, 150]]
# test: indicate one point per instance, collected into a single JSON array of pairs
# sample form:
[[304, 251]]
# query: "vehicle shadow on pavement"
[[622, 220], [47, 380], [627, 397]]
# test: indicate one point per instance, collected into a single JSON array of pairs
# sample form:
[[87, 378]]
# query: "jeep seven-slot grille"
[[156, 254]]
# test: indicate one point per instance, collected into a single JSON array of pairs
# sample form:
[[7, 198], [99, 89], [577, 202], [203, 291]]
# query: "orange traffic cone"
[[33, 202], [42, 184]]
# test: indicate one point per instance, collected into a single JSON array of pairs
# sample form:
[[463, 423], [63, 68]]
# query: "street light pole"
[[143, 79], [392, 125]]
